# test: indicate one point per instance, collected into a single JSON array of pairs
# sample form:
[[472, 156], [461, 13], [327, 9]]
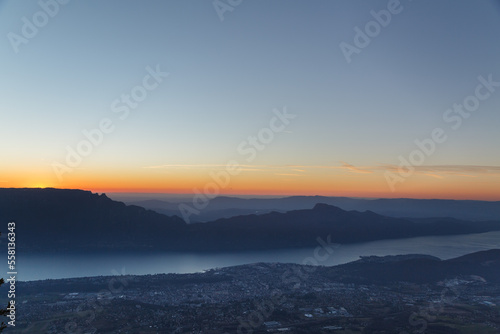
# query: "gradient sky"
[[353, 120]]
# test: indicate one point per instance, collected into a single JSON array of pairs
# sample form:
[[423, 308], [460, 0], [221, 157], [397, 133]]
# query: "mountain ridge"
[[76, 220], [224, 206]]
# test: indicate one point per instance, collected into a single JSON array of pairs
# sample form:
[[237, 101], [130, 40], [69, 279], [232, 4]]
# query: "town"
[[255, 299]]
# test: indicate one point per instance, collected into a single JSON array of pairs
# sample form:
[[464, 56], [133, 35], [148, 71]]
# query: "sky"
[[281, 97]]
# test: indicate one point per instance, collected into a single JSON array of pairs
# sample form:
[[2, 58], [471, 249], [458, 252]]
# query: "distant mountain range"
[[226, 207], [76, 220]]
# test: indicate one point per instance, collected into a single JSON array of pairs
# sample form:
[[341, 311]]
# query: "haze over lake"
[[53, 266]]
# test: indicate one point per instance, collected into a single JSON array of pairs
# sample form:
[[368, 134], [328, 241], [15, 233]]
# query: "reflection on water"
[[43, 266]]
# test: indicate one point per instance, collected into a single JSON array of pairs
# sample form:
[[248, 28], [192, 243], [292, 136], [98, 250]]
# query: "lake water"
[[44, 266]]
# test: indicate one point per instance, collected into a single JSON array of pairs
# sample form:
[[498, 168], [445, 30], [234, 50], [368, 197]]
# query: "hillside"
[[76, 220]]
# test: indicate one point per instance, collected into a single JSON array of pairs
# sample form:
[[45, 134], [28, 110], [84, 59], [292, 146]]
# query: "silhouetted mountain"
[[301, 228], [172, 209], [48, 219], [484, 265], [54, 219], [401, 207]]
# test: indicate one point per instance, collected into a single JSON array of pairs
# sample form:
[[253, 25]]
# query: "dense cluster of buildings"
[[260, 298]]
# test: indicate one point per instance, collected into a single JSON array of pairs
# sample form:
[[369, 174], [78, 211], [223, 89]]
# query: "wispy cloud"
[[305, 167], [244, 168], [184, 166], [354, 169], [440, 171], [433, 175], [434, 171]]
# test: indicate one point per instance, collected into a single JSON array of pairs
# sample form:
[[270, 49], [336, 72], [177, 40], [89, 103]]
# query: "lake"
[[60, 265]]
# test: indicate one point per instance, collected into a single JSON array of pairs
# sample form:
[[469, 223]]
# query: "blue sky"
[[225, 78]]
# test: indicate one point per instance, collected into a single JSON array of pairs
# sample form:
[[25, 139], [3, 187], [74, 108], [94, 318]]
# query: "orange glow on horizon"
[[256, 193], [248, 183], [266, 191]]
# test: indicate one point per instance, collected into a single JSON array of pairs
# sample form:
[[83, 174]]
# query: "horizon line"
[[251, 195]]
